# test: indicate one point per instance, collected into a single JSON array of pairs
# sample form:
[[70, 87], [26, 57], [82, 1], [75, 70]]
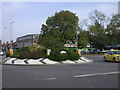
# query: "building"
[[8, 45], [27, 40]]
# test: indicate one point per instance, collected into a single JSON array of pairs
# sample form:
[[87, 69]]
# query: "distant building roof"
[[27, 35]]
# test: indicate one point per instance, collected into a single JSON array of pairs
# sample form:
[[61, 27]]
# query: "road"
[[98, 74]]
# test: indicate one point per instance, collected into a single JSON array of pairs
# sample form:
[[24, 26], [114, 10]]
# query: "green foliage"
[[61, 26], [30, 52], [83, 39], [15, 54], [55, 55], [32, 48], [51, 42], [7, 54], [73, 55], [113, 30], [63, 57], [69, 55], [22, 49], [32, 55], [97, 37]]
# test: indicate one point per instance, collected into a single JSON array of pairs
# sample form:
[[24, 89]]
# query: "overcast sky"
[[29, 16]]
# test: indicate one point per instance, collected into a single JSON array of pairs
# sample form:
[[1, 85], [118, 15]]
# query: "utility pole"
[[11, 31], [11, 48]]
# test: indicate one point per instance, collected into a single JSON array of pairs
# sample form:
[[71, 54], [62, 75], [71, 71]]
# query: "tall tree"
[[61, 26], [83, 39], [97, 37], [113, 30]]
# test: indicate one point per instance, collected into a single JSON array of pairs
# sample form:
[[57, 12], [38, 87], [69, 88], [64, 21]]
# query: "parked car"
[[95, 51], [85, 52], [103, 51], [112, 55], [1, 53]]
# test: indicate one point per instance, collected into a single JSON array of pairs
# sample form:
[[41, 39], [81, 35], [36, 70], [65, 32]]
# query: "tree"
[[113, 30], [83, 39], [50, 42], [61, 26], [97, 37]]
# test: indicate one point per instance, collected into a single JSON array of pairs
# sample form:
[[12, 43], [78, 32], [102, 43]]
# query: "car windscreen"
[[116, 52]]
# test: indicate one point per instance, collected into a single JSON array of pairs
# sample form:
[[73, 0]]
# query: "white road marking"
[[87, 75], [45, 79]]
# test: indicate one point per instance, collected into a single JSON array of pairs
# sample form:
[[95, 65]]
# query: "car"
[[112, 55], [84, 51], [103, 51], [1, 53], [95, 51]]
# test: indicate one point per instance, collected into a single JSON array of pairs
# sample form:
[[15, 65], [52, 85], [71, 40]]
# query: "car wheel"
[[105, 59], [114, 59]]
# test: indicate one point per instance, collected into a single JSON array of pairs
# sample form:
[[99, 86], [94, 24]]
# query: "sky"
[[29, 16]]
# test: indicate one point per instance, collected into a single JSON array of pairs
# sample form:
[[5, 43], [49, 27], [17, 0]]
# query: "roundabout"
[[43, 61]]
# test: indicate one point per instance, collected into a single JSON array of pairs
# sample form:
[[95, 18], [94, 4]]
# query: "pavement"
[[42, 61]]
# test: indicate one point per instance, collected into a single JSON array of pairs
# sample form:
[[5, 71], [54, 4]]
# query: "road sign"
[[48, 51]]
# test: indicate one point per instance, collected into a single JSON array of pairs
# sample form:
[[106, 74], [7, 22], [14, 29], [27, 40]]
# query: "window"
[[116, 52], [36, 36], [109, 52]]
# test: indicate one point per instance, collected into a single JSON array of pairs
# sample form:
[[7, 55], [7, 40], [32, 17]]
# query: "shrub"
[[22, 49], [73, 55], [63, 57], [30, 52], [7, 54], [15, 55], [32, 55], [70, 55], [32, 48], [55, 55]]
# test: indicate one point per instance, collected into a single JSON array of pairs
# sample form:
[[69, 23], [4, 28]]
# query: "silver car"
[[1, 53]]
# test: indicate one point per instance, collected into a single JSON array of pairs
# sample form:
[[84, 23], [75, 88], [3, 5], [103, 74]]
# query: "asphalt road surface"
[[98, 74]]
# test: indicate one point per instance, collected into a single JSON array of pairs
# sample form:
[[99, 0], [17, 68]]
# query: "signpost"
[[48, 51]]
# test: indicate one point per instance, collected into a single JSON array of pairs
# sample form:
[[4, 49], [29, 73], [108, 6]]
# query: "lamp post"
[[11, 31], [11, 48]]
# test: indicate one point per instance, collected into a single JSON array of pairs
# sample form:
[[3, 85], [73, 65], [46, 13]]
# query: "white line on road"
[[87, 75], [45, 79]]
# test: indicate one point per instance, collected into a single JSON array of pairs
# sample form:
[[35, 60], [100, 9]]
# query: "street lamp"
[[11, 31], [11, 48]]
